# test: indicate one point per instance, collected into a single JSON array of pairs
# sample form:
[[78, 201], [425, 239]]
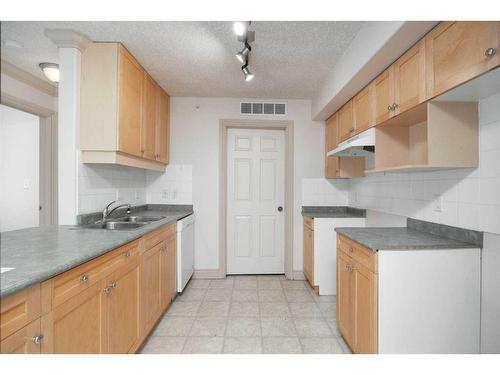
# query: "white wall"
[[19, 169], [172, 187], [471, 197], [195, 141], [323, 192], [99, 184]]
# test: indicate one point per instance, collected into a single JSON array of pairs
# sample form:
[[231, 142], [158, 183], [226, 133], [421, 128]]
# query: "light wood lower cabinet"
[[108, 305], [308, 250], [357, 296]]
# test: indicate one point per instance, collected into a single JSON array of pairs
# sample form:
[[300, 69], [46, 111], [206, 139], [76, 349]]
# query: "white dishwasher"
[[185, 251]]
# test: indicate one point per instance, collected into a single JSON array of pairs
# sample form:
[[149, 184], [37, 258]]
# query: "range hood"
[[362, 144]]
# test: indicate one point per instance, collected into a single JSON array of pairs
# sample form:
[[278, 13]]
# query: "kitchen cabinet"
[[79, 325], [357, 296], [308, 251], [106, 305], [383, 91], [149, 118], [124, 113], [331, 141], [363, 113], [459, 51], [345, 122], [162, 134], [409, 79], [26, 340]]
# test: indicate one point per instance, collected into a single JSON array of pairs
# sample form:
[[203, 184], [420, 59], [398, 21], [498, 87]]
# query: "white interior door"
[[255, 201]]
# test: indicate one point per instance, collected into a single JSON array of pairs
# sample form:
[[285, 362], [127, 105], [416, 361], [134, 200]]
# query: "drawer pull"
[[84, 278], [127, 254], [113, 285], [489, 52], [37, 340], [107, 290]]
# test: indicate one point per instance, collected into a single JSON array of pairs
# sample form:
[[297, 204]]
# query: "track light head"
[[246, 72], [242, 56], [240, 28]]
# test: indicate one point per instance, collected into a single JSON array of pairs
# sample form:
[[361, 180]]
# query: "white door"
[[255, 201]]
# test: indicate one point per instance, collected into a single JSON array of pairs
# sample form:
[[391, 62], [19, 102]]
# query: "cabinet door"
[[149, 118], [22, 341], [362, 105], [383, 91], [150, 286], [331, 141], [123, 309], [163, 126], [458, 51], [308, 265], [129, 104], [168, 282], [364, 339], [77, 326], [345, 122], [409, 78], [345, 308]]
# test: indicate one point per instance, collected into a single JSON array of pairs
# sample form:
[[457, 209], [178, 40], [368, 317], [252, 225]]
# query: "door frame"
[[287, 127]]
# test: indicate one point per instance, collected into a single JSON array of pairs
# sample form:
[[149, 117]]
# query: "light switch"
[[438, 203], [26, 184]]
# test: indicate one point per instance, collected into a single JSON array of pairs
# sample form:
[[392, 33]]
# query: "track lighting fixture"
[[246, 37]]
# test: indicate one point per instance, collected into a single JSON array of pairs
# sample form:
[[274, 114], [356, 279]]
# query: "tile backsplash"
[[469, 198], [99, 184], [172, 187], [323, 192]]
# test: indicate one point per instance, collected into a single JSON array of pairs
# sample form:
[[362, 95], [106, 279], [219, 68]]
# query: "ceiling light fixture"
[[240, 28], [50, 70], [246, 37], [247, 73]]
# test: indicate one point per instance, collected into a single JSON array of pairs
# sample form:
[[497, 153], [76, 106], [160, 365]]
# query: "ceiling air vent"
[[269, 109]]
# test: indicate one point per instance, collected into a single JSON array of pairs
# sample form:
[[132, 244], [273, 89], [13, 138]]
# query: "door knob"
[[280, 208]]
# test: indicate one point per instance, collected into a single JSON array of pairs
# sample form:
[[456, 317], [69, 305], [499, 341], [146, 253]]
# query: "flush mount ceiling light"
[[246, 37], [50, 70]]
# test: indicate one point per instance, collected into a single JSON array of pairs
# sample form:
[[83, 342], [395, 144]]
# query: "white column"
[[71, 44]]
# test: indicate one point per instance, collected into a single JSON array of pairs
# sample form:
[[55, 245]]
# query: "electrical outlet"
[[164, 194], [137, 194], [438, 203], [26, 184], [354, 197]]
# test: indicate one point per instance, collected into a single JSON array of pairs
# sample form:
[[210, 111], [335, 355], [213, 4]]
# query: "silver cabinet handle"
[[37, 340], [113, 285], [84, 278], [489, 52], [394, 106], [389, 107], [127, 254], [107, 290]]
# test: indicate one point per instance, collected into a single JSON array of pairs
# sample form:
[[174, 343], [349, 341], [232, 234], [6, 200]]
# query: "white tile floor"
[[248, 314]]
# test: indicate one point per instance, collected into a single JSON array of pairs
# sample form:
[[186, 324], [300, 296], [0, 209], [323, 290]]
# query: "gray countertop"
[[37, 254], [401, 238], [332, 212]]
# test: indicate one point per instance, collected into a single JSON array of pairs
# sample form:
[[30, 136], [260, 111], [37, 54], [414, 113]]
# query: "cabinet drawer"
[[309, 222], [23, 341], [358, 253], [161, 234], [72, 282], [18, 310]]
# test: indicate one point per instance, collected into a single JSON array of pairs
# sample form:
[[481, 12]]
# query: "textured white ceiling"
[[289, 59]]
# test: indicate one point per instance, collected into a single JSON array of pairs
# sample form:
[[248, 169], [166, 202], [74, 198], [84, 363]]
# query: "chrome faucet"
[[106, 212]]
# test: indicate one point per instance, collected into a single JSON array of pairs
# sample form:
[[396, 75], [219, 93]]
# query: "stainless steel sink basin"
[[140, 219], [115, 225]]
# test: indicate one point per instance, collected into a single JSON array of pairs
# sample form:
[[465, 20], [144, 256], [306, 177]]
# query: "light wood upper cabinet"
[[363, 113], [409, 79], [383, 91], [345, 122], [129, 107], [149, 118], [124, 113], [459, 51], [163, 126], [331, 135]]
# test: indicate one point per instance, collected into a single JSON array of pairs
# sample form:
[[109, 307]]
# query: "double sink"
[[124, 223]]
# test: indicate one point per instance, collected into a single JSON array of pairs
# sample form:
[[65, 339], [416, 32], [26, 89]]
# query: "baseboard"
[[207, 274], [298, 275]]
